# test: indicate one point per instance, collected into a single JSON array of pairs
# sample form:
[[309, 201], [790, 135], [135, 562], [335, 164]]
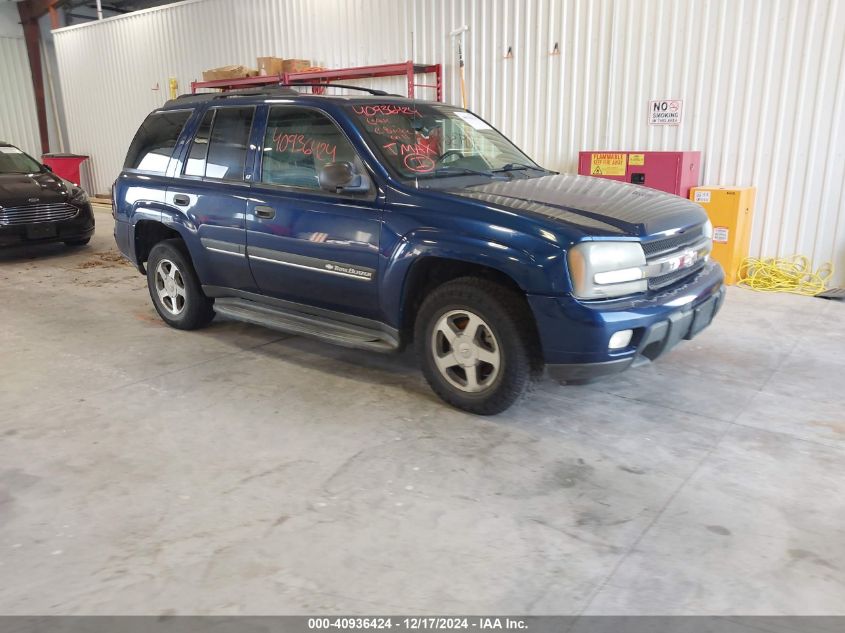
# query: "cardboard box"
[[228, 72], [295, 65], [270, 65]]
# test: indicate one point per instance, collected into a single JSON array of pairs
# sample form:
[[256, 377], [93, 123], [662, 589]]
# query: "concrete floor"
[[236, 470]]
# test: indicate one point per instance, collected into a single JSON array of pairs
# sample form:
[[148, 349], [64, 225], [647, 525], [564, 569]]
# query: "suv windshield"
[[436, 141], [14, 161]]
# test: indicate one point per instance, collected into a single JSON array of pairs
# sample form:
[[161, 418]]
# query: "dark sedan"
[[38, 206]]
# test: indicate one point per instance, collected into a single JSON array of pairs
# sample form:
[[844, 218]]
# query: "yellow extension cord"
[[784, 274]]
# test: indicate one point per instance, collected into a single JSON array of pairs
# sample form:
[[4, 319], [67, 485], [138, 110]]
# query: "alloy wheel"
[[466, 353], [170, 287]]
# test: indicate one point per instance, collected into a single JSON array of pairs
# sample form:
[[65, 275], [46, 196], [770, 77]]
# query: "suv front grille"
[[31, 213], [659, 250], [656, 283], [669, 244]]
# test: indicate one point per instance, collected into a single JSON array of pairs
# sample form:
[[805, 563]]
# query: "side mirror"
[[342, 177], [46, 167]]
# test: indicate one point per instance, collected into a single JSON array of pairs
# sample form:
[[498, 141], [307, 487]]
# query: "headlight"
[[78, 195], [601, 270]]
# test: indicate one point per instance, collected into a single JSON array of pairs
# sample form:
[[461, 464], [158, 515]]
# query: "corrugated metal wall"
[[762, 81], [18, 119], [119, 68]]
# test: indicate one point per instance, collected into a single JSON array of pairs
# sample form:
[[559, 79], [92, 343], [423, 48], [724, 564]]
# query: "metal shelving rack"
[[409, 69]]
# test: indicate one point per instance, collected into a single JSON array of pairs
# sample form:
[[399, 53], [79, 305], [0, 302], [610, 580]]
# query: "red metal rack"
[[409, 69]]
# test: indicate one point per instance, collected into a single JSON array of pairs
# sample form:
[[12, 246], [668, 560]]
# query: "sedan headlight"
[[78, 195], [602, 270]]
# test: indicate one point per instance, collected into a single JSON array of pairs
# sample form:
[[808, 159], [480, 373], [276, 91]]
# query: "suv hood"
[[597, 205], [22, 189]]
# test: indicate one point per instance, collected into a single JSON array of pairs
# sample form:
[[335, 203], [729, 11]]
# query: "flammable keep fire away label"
[[608, 164]]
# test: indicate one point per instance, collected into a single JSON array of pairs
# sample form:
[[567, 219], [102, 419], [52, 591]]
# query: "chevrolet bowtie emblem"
[[688, 258]]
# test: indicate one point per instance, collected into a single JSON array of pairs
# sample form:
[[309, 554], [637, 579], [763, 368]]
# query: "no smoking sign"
[[665, 112]]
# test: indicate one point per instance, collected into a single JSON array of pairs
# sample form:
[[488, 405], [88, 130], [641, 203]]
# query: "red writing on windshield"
[[395, 133], [422, 148], [301, 144], [419, 163], [384, 109]]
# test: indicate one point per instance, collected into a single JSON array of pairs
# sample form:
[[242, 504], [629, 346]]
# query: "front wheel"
[[477, 345], [174, 288]]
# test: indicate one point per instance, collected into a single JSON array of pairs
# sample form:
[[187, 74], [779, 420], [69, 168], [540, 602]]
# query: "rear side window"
[[154, 142], [199, 147], [227, 145]]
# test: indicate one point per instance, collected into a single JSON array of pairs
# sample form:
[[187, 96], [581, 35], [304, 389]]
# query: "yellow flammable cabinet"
[[730, 209]]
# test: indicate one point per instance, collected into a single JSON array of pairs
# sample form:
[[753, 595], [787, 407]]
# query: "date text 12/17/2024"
[[418, 623]]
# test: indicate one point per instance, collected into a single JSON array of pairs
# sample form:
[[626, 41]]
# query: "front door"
[[305, 244]]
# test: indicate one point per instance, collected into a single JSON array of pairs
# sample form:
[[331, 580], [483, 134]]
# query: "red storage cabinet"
[[673, 172], [65, 165]]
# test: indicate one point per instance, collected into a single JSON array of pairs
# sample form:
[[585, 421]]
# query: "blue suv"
[[373, 221]]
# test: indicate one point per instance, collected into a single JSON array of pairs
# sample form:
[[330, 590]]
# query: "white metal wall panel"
[[114, 72], [762, 82], [18, 118]]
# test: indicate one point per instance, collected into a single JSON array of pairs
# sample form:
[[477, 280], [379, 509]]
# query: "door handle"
[[267, 213], [181, 199]]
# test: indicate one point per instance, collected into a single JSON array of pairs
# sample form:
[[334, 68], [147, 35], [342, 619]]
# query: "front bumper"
[[78, 227], [575, 334]]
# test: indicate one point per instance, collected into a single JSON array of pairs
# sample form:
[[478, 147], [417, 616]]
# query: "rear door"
[[306, 244], [212, 189]]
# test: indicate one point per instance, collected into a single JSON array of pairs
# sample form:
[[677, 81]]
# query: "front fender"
[[536, 267]]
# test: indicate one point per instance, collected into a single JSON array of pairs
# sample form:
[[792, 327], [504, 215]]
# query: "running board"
[[295, 322]]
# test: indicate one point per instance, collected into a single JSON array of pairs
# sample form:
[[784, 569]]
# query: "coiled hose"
[[784, 274]]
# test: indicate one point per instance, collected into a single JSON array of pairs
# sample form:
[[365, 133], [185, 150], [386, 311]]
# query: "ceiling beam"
[[29, 12], [34, 9]]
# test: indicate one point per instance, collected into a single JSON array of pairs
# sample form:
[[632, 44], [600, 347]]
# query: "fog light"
[[620, 339]]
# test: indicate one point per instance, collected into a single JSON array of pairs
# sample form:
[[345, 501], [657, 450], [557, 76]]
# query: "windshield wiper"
[[517, 166], [457, 171]]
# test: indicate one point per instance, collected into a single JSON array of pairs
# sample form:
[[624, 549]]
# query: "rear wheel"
[[476, 345], [174, 288]]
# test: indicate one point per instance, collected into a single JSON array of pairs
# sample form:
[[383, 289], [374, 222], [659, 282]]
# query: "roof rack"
[[372, 91], [407, 69], [274, 90], [244, 92]]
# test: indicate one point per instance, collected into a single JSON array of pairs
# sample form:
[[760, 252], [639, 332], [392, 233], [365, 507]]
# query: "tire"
[[487, 371], [175, 289], [80, 242]]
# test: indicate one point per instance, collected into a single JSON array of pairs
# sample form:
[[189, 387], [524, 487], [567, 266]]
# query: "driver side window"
[[297, 144]]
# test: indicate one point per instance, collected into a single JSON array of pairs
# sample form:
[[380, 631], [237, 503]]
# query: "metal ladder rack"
[[409, 69]]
